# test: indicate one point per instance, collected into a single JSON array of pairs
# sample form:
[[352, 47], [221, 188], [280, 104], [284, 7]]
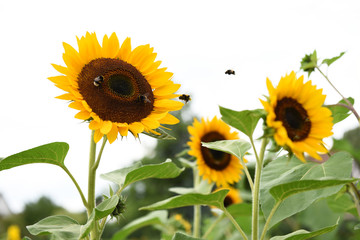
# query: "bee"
[[230, 72], [185, 98], [98, 80], [144, 98]]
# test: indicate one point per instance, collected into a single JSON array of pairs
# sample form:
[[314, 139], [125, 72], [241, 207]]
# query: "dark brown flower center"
[[228, 201], [214, 159], [294, 118], [115, 90]]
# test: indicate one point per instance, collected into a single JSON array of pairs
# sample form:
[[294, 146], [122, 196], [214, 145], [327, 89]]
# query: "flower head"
[[215, 166], [115, 88], [296, 114]]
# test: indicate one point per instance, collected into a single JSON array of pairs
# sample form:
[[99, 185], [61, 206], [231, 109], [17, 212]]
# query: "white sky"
[[197, 40]]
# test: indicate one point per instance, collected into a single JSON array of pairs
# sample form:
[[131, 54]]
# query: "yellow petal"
[[83, 115], [106, 127]]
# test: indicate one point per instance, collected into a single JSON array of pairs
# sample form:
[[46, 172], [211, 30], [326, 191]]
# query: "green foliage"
[[329, 61], [213, 199], [126, 176], [349, 143], [181, 236], [236, 147], [245, 121], [163, 135], [106, 207], [153, 218], [339, 112], [291, 173], [52, 153], [309, 62], [303, 234]]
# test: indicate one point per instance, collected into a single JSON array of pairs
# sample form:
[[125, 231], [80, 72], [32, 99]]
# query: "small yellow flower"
[[13, 233], [115, 88], [183, 222], [295, 110], [215, 166]]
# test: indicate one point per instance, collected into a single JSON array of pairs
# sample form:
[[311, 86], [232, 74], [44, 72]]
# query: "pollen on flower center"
[[215, 159], [116, 97], [294, 118]]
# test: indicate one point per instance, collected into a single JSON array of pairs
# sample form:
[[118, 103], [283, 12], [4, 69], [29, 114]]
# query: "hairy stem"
[[273, 210], [197, 208], [235, 223], [77, 186]]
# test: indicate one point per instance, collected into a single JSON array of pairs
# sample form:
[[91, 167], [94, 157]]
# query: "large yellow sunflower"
[[296, 113], [215, 166], [116, 88]]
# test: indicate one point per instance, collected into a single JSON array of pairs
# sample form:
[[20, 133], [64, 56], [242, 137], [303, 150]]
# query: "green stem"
[[248, 176], [77, 186], [256, 192], [356, 196], [212, 226], [235, 223], [197, 208], [91, 184], [351, 107], [96, 165], [273, 210]]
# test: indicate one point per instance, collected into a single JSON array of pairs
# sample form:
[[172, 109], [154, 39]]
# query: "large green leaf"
[[329, 61], [153, 218], [124, 177], [52, 153], [240, 209], [213, 199], [62, 227], [236, 147], [181, 236], [106, 207], [303, 234], [283, 191], [284, 171], [345, 145], [339, 112], [245, 121]]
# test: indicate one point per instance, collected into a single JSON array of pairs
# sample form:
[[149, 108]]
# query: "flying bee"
[[230, 72], [98, 80], [185, 98], [144, 98]]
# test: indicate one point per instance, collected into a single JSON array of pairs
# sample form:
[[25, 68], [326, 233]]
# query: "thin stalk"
[[345, 99], [91, 184], [212, 226], [235, 223], [197, 208], [248, 176], [256, 192], [96, 165], [356, 196], [273, 210], [77, 186]]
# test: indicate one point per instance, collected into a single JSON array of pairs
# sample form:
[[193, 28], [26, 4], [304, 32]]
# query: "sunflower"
[[115, 88], [215, 166], [296, 114]]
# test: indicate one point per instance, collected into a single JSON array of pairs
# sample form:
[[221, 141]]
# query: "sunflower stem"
[[248, 176], [255, 203], [197, 208], [96, 165], [234, 223], [273, 210], [356, 196], [91, 185], [350, 106]]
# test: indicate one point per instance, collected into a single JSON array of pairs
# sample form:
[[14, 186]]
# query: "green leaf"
[[303, 234], [182, 236], [106, 207], [124, 177], [340, 203], [309, 62], [339, 112], [331, 60], [213, 199], [86, 228], [245, 121], [282, 191], [153, 218], [162, 134], [236, 147], [62, 227], [52, 153], [284, 170], [345, 145], [204, 187]]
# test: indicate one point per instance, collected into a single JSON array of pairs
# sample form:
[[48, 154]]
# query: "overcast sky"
[[197, 40]]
